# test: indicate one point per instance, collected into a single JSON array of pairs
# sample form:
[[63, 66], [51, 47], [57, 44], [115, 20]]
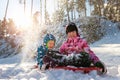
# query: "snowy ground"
[[107, 49]]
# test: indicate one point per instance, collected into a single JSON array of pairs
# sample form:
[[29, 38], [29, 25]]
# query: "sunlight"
[[51, 8], [105, 5], [21, 19]]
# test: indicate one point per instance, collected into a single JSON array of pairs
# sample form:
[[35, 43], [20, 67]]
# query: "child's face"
[[72, 34], [50, 44]]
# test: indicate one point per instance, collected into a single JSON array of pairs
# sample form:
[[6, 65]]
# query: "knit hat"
[[47, 38], [71, 27]]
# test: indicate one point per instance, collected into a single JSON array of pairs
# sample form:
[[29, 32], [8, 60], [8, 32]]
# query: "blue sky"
[[15, 9]]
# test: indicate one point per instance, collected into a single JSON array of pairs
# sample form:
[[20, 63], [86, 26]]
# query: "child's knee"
[[46, 59]]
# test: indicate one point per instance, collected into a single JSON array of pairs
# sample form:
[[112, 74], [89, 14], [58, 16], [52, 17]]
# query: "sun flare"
[[22, 21]]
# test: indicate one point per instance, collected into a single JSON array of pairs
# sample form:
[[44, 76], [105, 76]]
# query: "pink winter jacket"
[[77, 45]]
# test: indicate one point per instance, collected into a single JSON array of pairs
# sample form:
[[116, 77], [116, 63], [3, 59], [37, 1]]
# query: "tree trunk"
[[85, 9], [6, 9], [45, 11], [68, 11], [74, 15], [31, 6], [41, 11], [100, 14], [85, 12], [58, 5], [24, 6]]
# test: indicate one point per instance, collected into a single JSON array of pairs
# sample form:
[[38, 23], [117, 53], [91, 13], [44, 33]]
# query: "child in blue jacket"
[[48, 44]]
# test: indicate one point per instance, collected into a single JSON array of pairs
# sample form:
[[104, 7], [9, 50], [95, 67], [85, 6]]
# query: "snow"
[[107, 49]]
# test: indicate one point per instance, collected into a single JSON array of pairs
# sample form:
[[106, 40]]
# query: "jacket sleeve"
[[87, 49], [62, 48], [40, 55]]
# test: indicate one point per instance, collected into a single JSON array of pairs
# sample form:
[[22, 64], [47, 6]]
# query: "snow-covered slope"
[[107, 49], [8, 46]]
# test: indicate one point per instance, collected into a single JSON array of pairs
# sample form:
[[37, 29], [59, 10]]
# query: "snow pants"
[[54, 58]]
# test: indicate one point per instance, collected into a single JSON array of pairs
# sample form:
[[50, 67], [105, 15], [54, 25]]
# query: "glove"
[[54, 54], [101, 65], [50, 62], [84, 55]]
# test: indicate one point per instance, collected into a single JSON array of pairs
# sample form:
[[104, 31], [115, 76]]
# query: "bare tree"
[[6, 9], [67, 10], [90, 3], [72, 8], [112, 10], [23, 2], [45, 10], [98, 6], [41, 10], [64, 5], [24, 6], [81, 6], [31, 6]]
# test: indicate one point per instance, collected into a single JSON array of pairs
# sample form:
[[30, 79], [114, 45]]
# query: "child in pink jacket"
[[74, 44]]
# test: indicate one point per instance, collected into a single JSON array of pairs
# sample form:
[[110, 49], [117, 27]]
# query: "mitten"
[[54, 54], [49, 61]]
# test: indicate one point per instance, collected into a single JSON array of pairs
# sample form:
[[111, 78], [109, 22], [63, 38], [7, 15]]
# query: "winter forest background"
[[25, 37], [66, 11]]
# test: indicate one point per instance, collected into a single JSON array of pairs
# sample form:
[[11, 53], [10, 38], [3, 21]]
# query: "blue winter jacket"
[[43, 49], [41, 52]]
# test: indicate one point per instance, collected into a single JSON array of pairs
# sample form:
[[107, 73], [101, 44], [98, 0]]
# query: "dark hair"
[[71, 27]]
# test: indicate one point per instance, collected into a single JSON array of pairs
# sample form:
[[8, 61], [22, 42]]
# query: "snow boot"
[[102, 66]]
